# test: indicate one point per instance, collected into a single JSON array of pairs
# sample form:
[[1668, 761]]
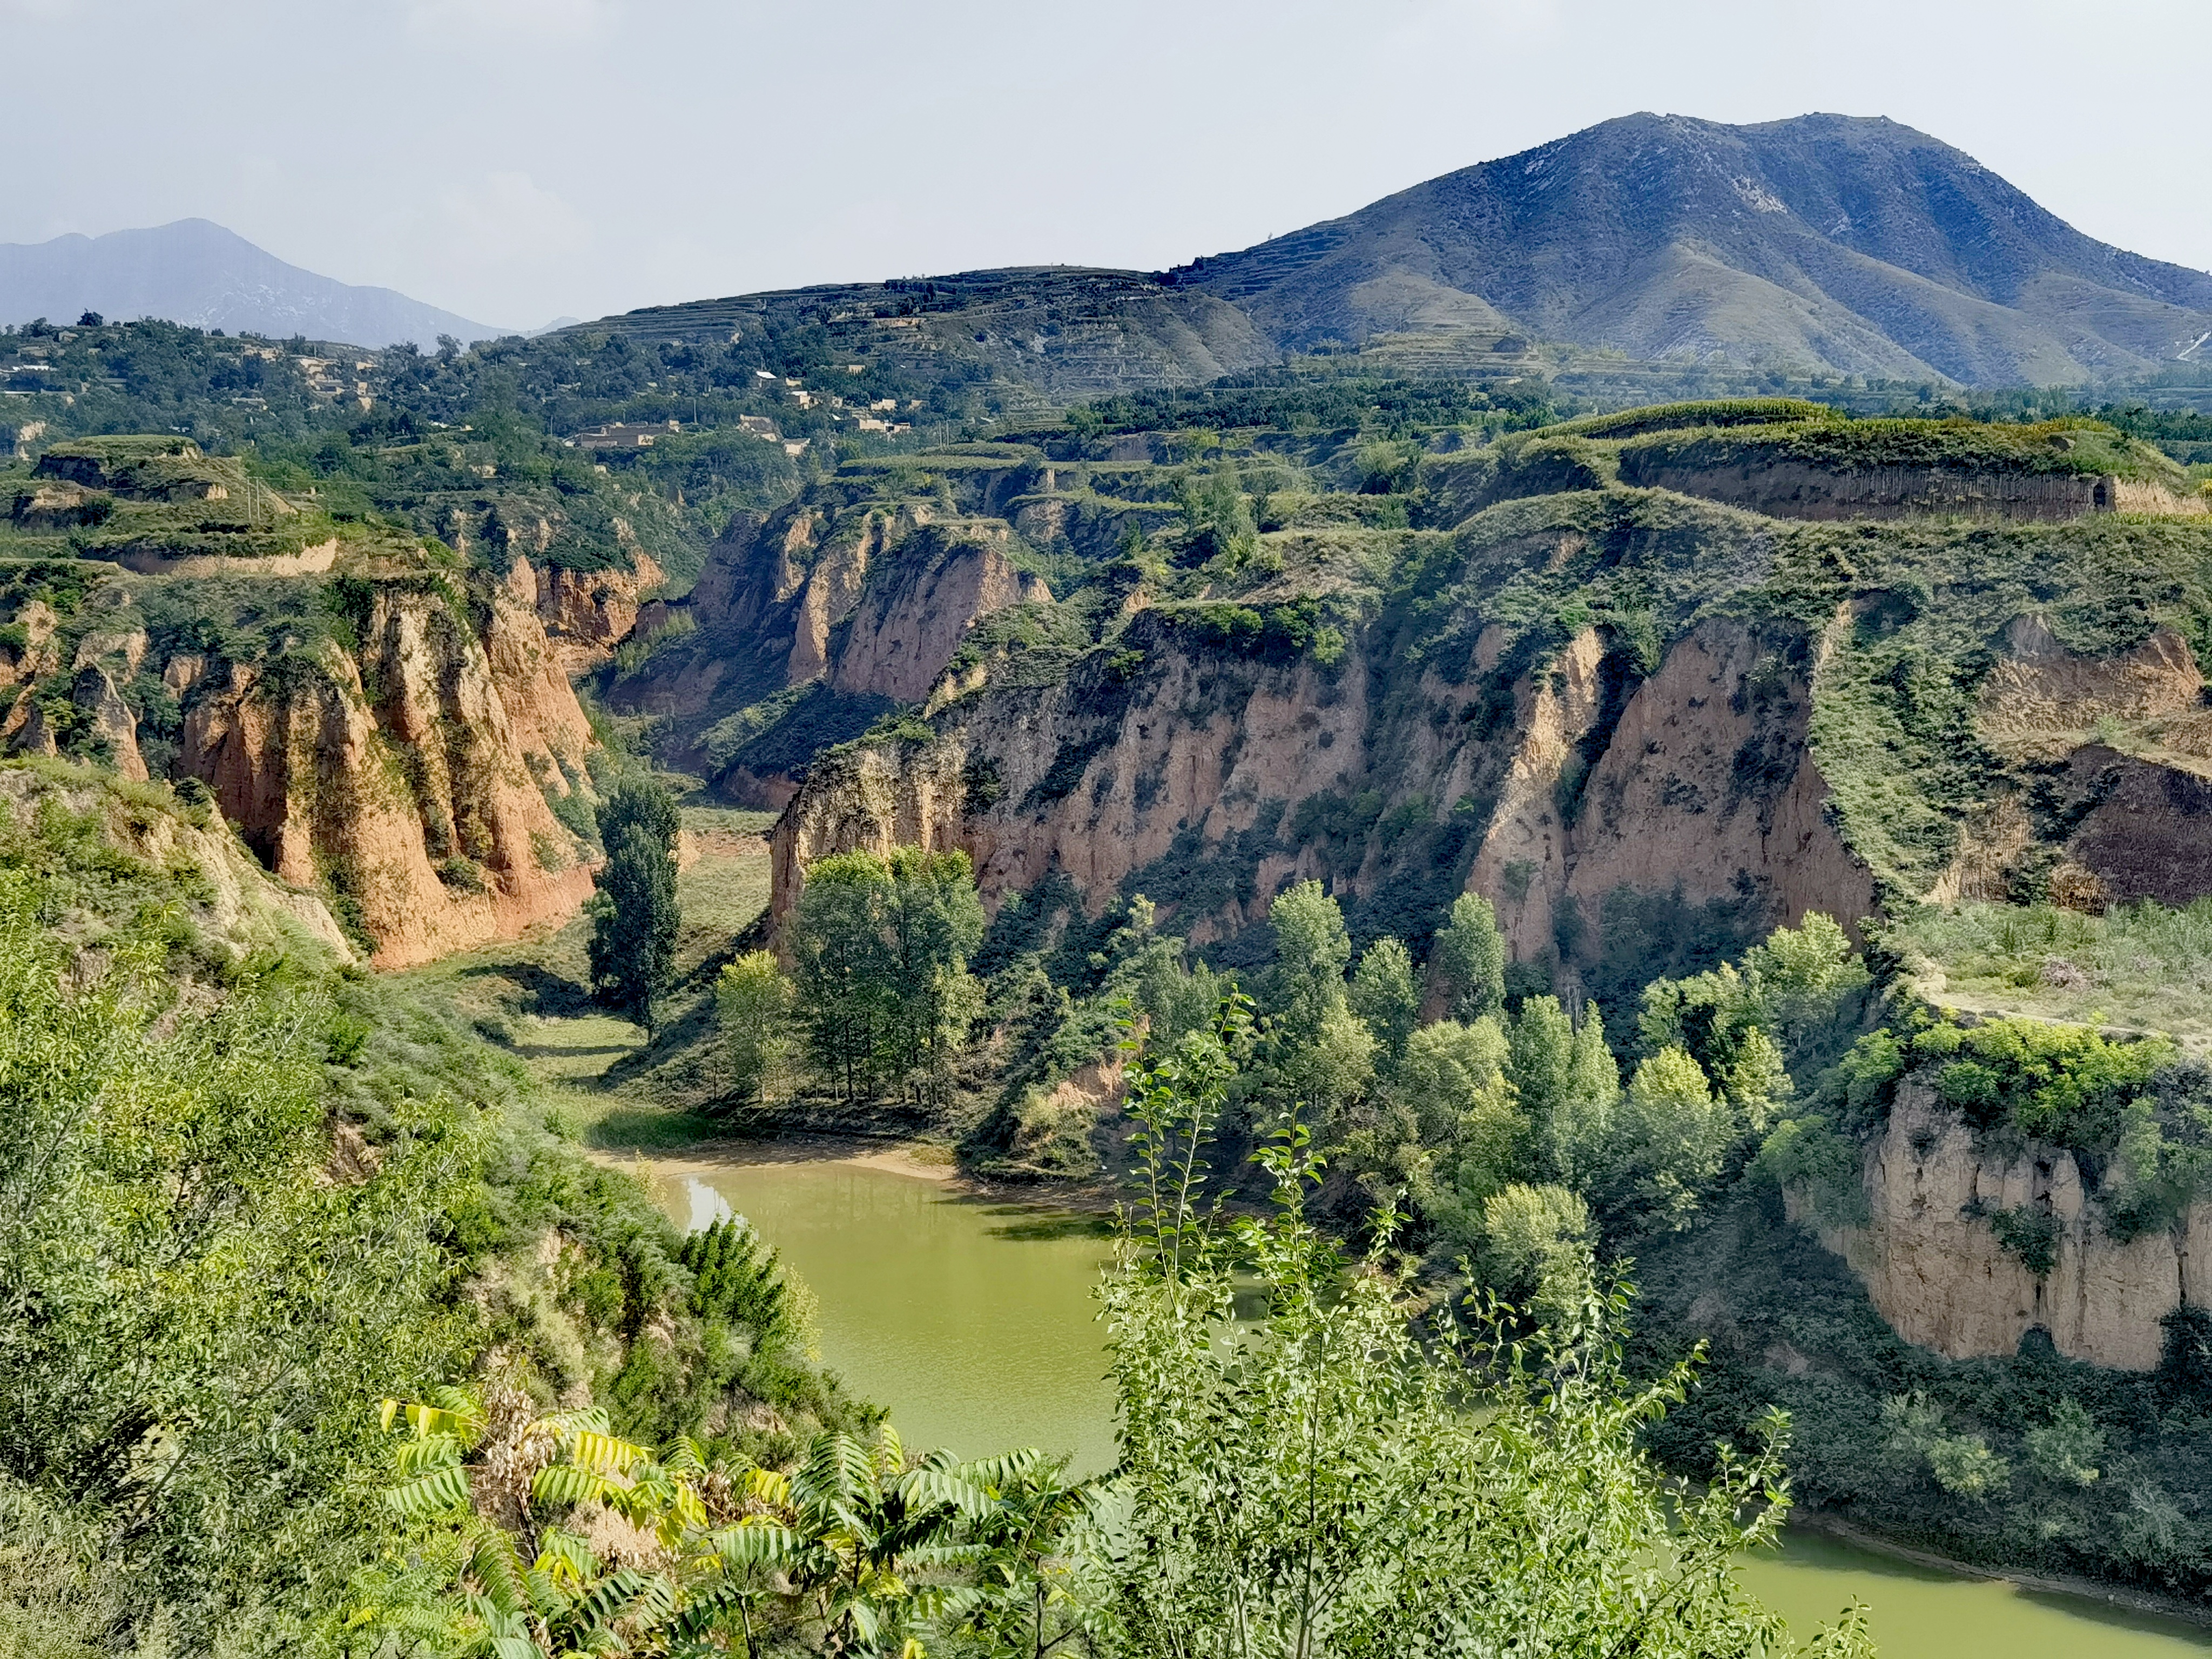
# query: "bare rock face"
[[412, 777], [882, 798], [111, 719], [906, 631], [1708, 780], [1522, 865], [866, 602], [1701, 779], [1935, 1270], [586, 614]]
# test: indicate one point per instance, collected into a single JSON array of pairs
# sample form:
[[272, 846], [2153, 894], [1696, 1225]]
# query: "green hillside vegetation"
[[2137, 967], [2072, 444], [374, 1206], [408, 1371]]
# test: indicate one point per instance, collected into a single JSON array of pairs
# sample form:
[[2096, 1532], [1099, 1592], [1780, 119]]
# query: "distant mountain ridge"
[[196, 272], [1851, 244]]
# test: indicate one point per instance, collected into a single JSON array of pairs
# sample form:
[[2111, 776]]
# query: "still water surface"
[[973, 1322]]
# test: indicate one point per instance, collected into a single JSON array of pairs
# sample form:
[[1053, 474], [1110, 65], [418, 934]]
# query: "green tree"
[[1385, 996], [635, 917], [1467, 960], [1575, 1134], [1536, 1250], [1460, 1111], [880, 950], [1317, 1486], [1324, 1053], [2066, 1450], [841, 964], [934, 921], [1541, 1061], [1670, 1138], [753, 1005]]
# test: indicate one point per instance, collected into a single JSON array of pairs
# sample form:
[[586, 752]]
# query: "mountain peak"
[[1846, 243], [198, 272]]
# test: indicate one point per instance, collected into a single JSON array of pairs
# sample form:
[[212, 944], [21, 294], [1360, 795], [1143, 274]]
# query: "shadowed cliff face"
[[807, 625], [1207, 782]]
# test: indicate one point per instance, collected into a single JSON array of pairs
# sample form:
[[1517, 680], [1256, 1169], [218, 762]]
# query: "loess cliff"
[[1649, 725], [390, 730]]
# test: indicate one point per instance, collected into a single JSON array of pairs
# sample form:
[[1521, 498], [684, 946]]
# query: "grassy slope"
[[605, 1083], [2140, 968]]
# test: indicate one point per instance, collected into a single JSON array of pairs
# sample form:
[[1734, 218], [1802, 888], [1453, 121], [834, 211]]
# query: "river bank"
[[935, 1290]]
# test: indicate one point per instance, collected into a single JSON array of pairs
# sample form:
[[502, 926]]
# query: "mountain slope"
[[196, 272], [1826, 241], [1039, 335]]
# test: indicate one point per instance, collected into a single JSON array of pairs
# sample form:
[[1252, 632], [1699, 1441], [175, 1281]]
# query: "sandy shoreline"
[[923, 1160], [904, 1157]]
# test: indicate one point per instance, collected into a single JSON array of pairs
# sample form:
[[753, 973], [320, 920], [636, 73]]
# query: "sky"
[[515, 160]]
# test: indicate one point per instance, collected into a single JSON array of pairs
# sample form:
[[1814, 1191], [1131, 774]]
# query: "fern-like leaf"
[[564, 1486], [566, 1559], [436, 1492], [604, 1453], [498, 1570], [756, 1543]]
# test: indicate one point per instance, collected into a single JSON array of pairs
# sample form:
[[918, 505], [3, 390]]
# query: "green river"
[[973, 1322]]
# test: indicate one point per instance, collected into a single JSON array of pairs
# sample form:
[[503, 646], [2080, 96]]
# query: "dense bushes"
[[243, 1196]]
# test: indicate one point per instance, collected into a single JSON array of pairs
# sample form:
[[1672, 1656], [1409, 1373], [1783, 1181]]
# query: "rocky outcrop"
[[1936, 1271], [1523, 866], [411, 777], [1701, 779], [865, 602], [2041, 699], [881, 798], [907, 628], [586, 614], [115, 728], [1098, 775]]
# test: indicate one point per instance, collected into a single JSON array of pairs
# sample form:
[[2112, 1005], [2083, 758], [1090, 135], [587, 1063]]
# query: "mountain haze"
[[196, 272], [1823, 242]]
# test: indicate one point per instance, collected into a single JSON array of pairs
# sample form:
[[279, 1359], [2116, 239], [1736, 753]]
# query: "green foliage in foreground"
[[241, 1196], [189, 1305], [1318, 1483], [1340, 1477]]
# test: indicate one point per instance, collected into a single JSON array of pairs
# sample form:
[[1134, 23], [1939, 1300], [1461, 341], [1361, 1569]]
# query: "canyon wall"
[[402, 762], [412, 775], [1118, 774]]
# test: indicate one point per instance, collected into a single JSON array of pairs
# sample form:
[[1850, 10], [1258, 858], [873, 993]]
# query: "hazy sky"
[[514, 160]]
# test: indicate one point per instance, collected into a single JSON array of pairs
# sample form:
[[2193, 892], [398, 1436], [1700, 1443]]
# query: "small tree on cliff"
[[634, 912]]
